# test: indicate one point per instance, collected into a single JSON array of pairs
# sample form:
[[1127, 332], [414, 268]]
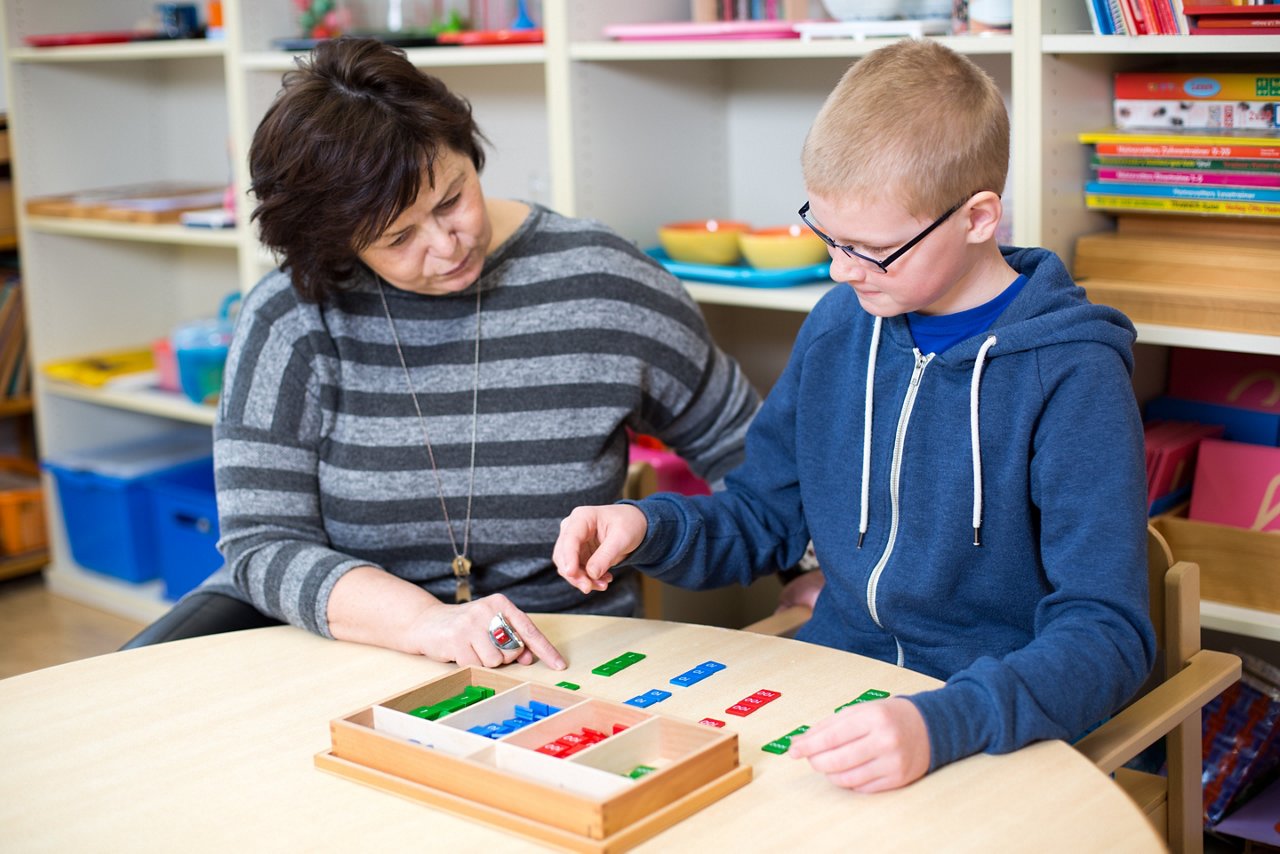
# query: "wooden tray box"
[[1237, 566], [586, 801]]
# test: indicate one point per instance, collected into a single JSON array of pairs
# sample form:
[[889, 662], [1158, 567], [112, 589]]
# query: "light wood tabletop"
[[208, 745]]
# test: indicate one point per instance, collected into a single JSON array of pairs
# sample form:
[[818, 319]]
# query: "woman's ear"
[[983, 213]]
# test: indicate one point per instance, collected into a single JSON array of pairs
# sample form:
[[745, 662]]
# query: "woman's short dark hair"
[[340, 155]]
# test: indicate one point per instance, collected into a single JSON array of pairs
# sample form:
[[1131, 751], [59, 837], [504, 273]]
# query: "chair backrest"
[[1184, 678]]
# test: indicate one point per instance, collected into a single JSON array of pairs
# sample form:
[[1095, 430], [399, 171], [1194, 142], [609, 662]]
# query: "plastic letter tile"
[[783, 744], [568, 685], [658, 696], [712, 722], [865, 697], [640, 701], [620, 663], [640, 770], [740, 710], [747, 705]]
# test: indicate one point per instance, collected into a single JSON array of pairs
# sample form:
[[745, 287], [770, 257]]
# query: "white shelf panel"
[[423, 57], [801, 298], [167, 233], [1091, 44], [180, 49], [1207, 339], [602, 51], [143, 602], [1235, 620], [147, 401]]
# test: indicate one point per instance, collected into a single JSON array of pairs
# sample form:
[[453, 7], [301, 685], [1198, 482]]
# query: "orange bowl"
[[783, 246], [709, 241]]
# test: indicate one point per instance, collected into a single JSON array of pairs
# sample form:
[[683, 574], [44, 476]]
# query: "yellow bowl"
[[711, 241], [784, 246]]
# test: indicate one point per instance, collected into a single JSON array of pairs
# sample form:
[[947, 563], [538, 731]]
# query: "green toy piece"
[[783, 744], [865, 697], [470, 695]]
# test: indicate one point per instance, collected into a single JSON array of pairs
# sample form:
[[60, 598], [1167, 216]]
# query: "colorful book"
[[1156, 113], [1172, 85], [1153, 204], [1144, 149], [1189, 178], [1216, 194], [1222, 144], [1197, 163]]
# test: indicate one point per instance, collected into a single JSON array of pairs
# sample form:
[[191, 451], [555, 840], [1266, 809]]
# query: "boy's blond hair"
[[915, 122]]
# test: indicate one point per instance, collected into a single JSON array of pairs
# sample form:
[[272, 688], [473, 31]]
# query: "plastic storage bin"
[[107, 503], [22, 527], [185, 510]]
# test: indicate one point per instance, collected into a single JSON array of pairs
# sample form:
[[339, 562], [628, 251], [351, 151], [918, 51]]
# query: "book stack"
[[1190, 143], [1234, 19], [15, 372]]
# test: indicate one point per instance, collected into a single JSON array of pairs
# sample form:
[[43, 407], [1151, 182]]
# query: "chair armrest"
[[1153, 715], [783, 624]]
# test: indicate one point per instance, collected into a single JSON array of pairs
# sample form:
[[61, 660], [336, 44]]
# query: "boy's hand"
[[594, 539], [802, 591], [870, 747]]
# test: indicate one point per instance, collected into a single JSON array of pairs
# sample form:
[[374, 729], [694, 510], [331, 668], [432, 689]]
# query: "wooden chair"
[[1184, 679]]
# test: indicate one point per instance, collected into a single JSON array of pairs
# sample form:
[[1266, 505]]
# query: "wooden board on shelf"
[[1198, 227], [1216, 263], [1201, 306], [642, 773]]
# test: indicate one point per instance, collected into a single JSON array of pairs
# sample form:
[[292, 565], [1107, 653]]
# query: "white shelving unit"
[[634, 134]]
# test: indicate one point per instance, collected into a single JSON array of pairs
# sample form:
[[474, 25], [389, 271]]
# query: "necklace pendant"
[[461, 567], [463, 593]]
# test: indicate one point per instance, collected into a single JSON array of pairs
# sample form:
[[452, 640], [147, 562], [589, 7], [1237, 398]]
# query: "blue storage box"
[[185, 510], [1241, 425], [107, 503]]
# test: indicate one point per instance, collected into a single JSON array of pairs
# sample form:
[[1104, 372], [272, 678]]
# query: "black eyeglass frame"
[[882, 266]]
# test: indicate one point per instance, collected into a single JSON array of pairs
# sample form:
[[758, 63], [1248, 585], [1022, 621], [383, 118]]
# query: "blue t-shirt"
[[935, 333]]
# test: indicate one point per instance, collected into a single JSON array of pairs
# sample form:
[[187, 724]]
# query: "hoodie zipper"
[[895, 470]]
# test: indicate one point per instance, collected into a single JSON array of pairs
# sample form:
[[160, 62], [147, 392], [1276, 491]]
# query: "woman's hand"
[[460, 633], [593, 540], [869, 747]]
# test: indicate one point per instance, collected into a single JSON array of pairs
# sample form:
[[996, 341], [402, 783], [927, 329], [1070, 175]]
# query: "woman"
[[432, 380]]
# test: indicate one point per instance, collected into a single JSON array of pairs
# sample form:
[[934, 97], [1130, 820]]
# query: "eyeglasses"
[[882, 266]]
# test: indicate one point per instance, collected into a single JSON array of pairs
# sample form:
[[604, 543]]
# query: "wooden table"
[[208, 744]]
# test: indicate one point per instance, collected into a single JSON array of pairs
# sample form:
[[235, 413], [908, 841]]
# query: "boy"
[[1005, 554]]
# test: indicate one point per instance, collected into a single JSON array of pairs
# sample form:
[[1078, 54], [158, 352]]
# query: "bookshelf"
[[632, 133]]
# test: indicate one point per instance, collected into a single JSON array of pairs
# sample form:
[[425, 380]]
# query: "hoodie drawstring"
[[975, 437], [975, 434], [866, 428]]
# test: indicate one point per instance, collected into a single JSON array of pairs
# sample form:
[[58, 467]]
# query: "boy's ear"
[[983, 211]]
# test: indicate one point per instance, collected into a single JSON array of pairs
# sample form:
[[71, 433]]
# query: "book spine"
[[1224, 152], [1116, 13], [1243, 87], [1188, 163], [1157, 113], [1219, 194], [1170, 176], [1102, 201]]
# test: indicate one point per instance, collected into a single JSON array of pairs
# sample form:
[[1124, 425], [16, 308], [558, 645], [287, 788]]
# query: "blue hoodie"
[[1026, 437]]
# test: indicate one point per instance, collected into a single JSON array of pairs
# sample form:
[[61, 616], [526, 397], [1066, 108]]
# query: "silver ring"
[[502, 635]]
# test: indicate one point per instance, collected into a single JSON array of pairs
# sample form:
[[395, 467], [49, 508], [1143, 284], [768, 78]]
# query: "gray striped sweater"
[[319, 456]]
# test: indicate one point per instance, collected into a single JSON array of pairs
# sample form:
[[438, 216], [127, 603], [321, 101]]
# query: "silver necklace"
[[461, 563]]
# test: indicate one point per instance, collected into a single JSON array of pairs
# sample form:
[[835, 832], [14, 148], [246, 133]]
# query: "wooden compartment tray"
[[1237, 566], [586, 801]]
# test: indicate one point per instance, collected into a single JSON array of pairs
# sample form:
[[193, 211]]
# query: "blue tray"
[[741, 274]]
